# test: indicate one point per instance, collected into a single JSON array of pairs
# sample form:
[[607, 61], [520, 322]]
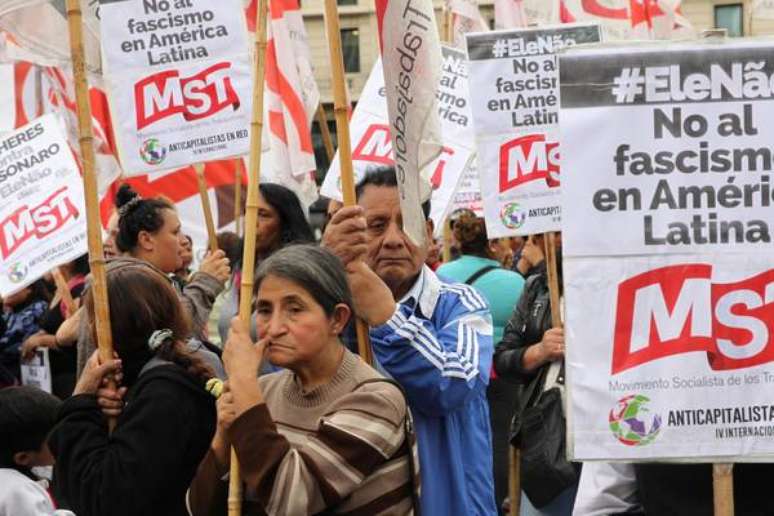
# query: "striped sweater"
[[340, 448]]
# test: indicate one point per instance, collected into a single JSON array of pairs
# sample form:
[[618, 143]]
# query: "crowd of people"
[[461, 350]]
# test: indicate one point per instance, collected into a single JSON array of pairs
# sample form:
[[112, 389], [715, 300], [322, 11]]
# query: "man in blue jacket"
[[432, 337]]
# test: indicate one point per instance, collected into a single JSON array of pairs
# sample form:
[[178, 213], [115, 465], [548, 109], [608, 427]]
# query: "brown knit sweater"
[[340, 448]]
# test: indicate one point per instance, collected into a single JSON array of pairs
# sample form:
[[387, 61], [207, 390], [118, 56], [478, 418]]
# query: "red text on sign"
[[37, 221], [165, 94], [677, 309]]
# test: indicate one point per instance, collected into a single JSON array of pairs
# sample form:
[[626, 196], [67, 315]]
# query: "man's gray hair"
[[313, 268]]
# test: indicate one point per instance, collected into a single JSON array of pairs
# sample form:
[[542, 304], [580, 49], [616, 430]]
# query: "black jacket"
[[530, 320], [146, 465]]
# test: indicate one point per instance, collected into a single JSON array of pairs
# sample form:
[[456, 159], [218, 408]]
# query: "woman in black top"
[[148, 461]]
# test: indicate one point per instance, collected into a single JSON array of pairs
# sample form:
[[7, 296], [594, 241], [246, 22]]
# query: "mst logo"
[[36, 221], [165, 94], [678, 309], [529, 158], [376, 146]]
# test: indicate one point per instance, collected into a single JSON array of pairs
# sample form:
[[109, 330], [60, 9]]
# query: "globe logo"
[[512, 216], [17, 272], [628, 421], [152, 152]]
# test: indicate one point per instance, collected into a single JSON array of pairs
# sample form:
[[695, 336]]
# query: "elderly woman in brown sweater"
[[328, 433]]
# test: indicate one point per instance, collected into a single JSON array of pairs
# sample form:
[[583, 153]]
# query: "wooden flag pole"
[[251, 218], [238, 196], [322, 121], [723, 489], [514, 484], [64, 291], [94, 227], [345, 150], [211, 234], [553, 279]]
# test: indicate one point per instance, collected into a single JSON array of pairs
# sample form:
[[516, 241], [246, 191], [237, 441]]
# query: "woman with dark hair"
[[149, 230], [281, 221], [328, 433], [479, 265], [63, 355], [146, 464]]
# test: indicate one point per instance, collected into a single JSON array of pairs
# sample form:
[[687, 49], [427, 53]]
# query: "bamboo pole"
[[210, 223], [322, 121], [723, 489], [447, 240], [238, 196], [514, 487], [553, 278], [101, 315], [251, 218], [63, 290], [345, 149]]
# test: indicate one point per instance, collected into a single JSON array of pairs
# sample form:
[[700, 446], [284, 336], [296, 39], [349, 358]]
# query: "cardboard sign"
[[516, 112], [667, 246], [36, 372], [42, 214], [179, 81]]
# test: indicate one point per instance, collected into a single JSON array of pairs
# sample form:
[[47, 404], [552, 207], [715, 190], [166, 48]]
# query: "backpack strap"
[[411, 438], [480, 272]]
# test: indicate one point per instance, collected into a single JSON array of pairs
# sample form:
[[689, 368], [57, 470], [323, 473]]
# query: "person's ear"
[[145, 241], [23, 458], [340, 318]]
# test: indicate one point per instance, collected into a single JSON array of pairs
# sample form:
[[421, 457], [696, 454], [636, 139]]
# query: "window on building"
[[350, 48], [346, 2], [730, 17]]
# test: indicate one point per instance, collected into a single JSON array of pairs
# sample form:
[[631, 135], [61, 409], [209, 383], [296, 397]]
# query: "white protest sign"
[[372, 146], [468, 194], [668, 257], [36, 371], [515, 109], [42, 216], [179, 81]]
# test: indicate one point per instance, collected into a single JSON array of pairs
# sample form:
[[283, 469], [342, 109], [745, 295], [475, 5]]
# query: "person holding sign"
[[148, 461], [149, 230], [327, 433], [433, 337], [529, 346]]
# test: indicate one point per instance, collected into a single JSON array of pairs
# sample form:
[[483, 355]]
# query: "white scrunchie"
[[158, 337]]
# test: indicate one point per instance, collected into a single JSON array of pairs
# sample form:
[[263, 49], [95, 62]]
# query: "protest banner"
[[179, 81], [371, 135], [667, 251], [42, 223], [515, 77]]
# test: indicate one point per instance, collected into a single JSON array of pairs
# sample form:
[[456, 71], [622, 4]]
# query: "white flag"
[[411, 56], [509, 14], [465, 18]]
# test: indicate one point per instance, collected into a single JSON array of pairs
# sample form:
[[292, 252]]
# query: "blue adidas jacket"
[[438, 346]]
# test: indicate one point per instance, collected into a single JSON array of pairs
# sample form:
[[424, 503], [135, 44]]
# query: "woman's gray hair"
[[313, 268]]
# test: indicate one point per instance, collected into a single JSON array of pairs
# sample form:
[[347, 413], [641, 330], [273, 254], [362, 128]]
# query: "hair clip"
[[123, 210], [158, 338]]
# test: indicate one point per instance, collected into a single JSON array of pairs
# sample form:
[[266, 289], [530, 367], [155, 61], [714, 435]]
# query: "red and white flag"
[[465, 18], [509, 14], [291, 92], [411, 56], [621, 19]]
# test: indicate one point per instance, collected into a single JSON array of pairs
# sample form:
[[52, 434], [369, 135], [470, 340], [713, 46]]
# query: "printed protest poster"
[[515, 78], [179, 81], [468, 194], [372, 145], [668, 254], [42, 215], [36, 371]]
